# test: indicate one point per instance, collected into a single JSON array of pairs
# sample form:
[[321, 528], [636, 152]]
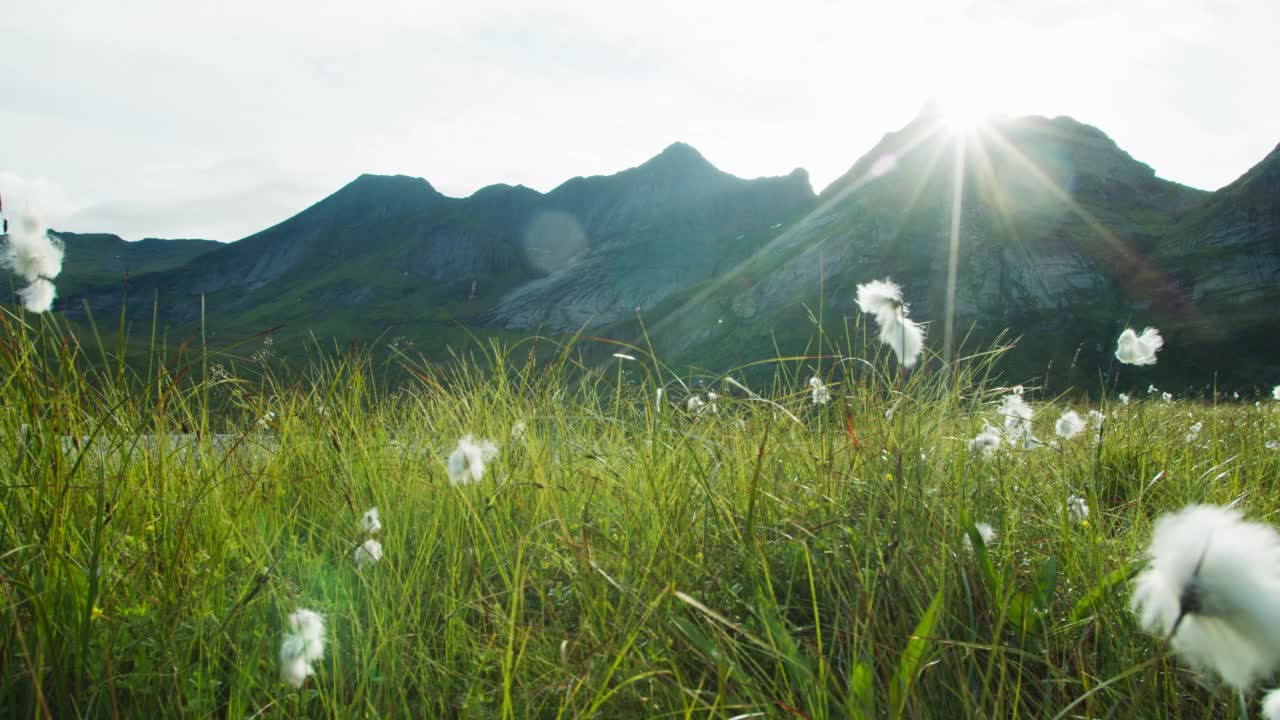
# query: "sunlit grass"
[[621, 557]]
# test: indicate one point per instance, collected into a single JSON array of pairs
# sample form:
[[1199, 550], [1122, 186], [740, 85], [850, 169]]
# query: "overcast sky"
[[176, 119]]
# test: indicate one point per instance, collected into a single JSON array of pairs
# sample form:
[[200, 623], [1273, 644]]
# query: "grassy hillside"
[[621, 556]]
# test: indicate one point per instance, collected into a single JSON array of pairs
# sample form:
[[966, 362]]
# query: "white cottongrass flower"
[[986, 532], [369, 552], [517, 429], [1124, 399], [1275, 392], [1194, 431], [623, 356], [1135, 349], [882, 299], [711, 401], [370, 521], [1017, 416], [1273, 445], [264, 422], [1152, 389], [988, 441], [1097, 418], [1069, 425], [1212, 587], [695, 404], [1271, 706], [1078, 510], [820, 395], [303, 645], [466, 463], [37, 256], [1166, 397]]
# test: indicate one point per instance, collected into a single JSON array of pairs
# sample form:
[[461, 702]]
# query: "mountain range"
[[1062, 238]]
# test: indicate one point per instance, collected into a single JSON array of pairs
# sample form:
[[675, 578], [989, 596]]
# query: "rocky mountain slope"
[[1062, 238]]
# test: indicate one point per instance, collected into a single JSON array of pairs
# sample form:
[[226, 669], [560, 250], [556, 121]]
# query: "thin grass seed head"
[[1135, 349], [370, 521], [368, 553], [1212, 586], [882, 299], [819, 393], [467, 462], [1069, 425]]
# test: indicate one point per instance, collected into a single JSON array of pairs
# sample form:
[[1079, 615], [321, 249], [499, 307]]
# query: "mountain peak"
[[680, 157]]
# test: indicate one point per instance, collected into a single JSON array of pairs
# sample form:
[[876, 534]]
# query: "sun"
[[964, 113]]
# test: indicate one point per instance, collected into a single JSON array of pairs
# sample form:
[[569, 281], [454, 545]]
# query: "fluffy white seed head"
[[368, 553], [370, 520], [1069, 425], [1078, 509], [1135, 349], [819, 394], [1271, 706], [988, 441], [1017, 416], [882, 299], [1194, 431], [1097, 418], [1124, 399], [1275, 392], [986, 532], [302, 646], [468, 460], [1213, 581], [34, 254]]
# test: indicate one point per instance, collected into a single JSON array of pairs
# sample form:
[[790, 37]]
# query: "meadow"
[[623, 554]]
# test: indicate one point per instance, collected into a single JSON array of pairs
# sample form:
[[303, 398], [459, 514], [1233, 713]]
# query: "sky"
[[155, 118]]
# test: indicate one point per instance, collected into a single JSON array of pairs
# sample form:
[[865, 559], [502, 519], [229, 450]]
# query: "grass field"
[[621, 557]]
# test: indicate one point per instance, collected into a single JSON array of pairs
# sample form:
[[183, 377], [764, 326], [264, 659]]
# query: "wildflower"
[[1069, 425], [986, 532], [1135, 349], [1124, 399], [882, 299], [370, 551], [1078, 510], [1212, 586], [303, 645], [988, 441], [370, 521], [466, 463], [1017, 416], [1166, 397], [820, 394], [37, 256], [1194, 431]]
